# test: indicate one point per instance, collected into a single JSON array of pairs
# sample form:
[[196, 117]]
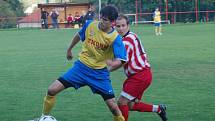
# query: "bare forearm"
[[114, 65], [113, 68], [75, 40]]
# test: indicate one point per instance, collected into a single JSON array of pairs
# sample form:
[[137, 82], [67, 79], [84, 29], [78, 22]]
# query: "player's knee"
[[130, 105], [122, 101], [119, 102], [51, 91], [55, 88]]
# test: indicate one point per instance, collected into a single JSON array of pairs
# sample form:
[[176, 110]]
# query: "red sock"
[[125, 111], [142, 107]]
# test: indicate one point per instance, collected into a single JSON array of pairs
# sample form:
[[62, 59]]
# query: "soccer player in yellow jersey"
[[157, 21], [100, 42]]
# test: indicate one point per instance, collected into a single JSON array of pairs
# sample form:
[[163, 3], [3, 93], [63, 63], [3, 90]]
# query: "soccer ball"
[[47, 118]]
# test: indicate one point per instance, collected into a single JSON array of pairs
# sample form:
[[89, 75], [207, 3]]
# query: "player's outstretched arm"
[[114, 64], [75, 40]]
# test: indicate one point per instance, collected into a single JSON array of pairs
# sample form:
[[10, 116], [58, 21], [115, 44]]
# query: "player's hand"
[[69, 55], [113, 64], [109, 62]]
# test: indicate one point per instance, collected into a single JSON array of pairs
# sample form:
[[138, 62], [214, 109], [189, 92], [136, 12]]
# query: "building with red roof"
[[32, 20]]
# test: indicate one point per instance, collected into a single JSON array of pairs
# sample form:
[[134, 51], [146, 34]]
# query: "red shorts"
[[135, 85]]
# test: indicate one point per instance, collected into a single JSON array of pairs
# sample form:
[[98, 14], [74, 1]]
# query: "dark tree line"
[[148, 6], [13, 8], [128, 6], [9, 11]]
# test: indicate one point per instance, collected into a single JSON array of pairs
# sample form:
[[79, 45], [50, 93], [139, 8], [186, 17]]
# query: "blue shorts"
[[157, 24], [97, 79]]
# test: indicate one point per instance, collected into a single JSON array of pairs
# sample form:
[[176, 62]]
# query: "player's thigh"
[[55, 87], [123, 100], [137, 84]]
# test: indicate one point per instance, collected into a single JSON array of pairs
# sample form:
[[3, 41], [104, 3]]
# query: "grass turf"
[[182, 59]]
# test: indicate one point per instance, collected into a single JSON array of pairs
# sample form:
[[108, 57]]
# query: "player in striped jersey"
[[138, 72]]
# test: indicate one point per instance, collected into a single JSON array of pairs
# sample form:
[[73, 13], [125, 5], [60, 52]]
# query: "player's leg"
[[49, 99], [159, 29], [109, 98], [141, 82], [128, 95], [145, 107], [124, 107], [104, 89], [134, 105], [117, 115], [100, 83], [65, 81], [146, 77], [156, 28]]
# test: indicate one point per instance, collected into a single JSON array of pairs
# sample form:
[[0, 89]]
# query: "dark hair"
[[110, 12], [122, 16]]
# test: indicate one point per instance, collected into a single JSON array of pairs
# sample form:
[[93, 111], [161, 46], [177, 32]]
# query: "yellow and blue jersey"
[[157, 17], [99, 46], [91, 69]]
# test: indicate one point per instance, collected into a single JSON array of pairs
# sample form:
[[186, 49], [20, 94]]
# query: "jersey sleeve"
[[83, 29], [119, 49]]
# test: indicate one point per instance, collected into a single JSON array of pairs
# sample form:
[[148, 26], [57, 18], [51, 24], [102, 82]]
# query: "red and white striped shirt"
[[136, 55]]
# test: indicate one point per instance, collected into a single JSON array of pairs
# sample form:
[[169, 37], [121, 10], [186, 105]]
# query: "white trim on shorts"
[[126, 95]]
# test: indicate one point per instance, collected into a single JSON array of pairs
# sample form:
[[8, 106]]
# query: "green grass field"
[[182, 59]]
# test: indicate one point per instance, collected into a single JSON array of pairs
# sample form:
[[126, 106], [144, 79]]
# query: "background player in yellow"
[[100, 42], [157, 21]]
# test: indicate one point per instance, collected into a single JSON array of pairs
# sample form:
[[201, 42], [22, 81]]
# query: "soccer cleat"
[[162, 112]]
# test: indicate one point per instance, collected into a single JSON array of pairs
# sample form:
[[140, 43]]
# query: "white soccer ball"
[[47, 118]]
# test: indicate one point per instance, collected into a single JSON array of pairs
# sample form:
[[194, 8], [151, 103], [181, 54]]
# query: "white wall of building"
[[29, 25]]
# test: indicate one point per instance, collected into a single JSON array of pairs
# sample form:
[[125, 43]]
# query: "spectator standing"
[[44, 18], [54, 15]]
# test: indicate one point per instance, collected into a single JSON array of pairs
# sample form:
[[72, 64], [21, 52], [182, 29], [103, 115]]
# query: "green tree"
[[16, 7], [6, 15], [9, 10]]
